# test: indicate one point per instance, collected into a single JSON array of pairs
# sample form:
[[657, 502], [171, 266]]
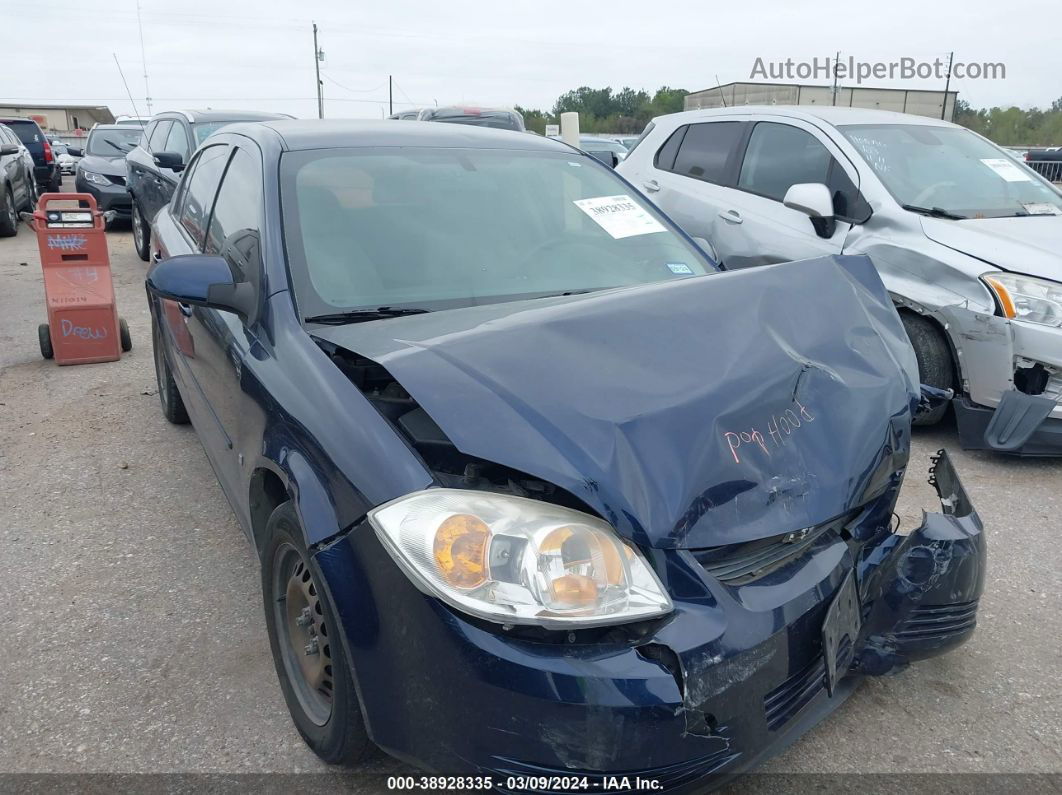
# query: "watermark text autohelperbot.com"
[[850, 69]]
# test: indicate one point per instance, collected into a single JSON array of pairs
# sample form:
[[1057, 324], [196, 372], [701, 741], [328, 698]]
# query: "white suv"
[[966, 239]]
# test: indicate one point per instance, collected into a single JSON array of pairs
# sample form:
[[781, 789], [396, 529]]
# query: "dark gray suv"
[[155, 164]]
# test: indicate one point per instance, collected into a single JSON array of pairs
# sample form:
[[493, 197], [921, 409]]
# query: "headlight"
[[94, 178], [1026, 298], [518, 561]]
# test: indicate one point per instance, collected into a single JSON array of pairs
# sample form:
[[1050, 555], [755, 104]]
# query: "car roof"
[[828, 113], [195, 116], [17, 120], [299, 134], [122, 127]]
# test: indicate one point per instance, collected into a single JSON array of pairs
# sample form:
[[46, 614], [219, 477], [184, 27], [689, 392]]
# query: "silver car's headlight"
[[1026, 298], [94, 178], [518, 561]]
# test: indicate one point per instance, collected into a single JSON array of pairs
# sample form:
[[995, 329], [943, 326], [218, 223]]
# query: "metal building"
[[903, 100], [59, 119]]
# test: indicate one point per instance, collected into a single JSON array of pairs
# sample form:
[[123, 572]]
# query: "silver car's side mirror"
[[811, 198]]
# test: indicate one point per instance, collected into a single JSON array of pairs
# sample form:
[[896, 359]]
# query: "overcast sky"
[[259, 55]]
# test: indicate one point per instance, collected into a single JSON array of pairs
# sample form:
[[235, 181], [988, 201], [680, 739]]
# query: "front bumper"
[[732, 677], [108, 197]]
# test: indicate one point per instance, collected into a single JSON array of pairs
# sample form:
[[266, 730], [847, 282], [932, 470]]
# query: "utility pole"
[[947, 85], [317, 56], [143, 59], [390, 97], [836, 63]]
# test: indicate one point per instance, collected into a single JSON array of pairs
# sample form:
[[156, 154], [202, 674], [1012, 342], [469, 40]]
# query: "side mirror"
[[8, 149], [74, 152], [171, 160], [815, 201], [202, 280]]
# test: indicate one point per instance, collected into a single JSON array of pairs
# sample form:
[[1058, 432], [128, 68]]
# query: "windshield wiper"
[[934, 212], [361, 315], [116, 146]]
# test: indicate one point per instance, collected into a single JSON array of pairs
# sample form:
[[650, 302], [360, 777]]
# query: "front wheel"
[[170, 398], [141, 233], [308, 654], [123, 335], [935, 366], [44, 337]]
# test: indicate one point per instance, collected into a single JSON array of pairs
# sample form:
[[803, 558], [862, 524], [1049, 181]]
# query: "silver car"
[[965, 238]]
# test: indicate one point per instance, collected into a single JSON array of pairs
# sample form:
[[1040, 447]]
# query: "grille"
[[794, 693], [737, 564], [928, 622]]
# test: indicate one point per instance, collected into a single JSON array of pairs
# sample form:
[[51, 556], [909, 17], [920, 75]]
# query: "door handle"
[[186, 310], [652, 186], [731, 217]]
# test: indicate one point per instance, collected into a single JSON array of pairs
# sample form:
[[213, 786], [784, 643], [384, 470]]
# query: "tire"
[[935, 365], [141, 233], [317, 687], [123, 335], [8, 215], [45, 338], [172, 404], [56, 185]]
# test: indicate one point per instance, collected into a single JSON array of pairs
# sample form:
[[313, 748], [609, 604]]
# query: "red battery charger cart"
[[83, 325]]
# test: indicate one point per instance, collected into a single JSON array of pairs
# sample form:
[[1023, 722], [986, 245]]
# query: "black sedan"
[[537, 491], [102, 170]]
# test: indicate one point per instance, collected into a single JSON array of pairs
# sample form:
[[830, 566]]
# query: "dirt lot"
[[134, 639]]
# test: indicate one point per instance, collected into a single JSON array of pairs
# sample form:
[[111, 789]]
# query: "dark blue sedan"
[[537, 490]]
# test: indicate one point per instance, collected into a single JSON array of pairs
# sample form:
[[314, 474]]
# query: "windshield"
[[952, 170], [440, 228], [27, 131], [112, 142]]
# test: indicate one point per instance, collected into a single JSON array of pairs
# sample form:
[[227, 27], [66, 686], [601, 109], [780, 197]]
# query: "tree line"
[[1014, 126], [627, 111], [602, 110]]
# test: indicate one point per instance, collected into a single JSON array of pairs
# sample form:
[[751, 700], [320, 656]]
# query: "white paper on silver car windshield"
[[1006, 169], [620, 216]]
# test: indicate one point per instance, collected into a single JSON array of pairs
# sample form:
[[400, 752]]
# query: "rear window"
[[27, 131], [498, 119]]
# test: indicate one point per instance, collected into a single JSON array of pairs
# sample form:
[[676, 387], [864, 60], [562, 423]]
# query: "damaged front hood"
[[1027, 244], [694, 413]]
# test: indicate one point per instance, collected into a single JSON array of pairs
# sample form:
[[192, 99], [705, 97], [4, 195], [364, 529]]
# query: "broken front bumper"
[[734, 675]]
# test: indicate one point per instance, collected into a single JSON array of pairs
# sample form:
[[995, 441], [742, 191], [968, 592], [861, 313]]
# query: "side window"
[[145, 138], [780, 156], [177, 141], [200, 190], [665, 156], [237, 218], [158, 135], [177, 203], [706, 149]]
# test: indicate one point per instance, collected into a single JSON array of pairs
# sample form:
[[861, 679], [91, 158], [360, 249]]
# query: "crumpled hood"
[[693, 413], [1028, 245], [111, 166]]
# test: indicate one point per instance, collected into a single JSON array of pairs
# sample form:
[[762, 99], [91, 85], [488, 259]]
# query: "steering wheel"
[[924, 195]]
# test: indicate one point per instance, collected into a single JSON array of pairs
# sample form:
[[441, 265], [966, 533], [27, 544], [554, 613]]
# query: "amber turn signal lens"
[[574, 590], [1006, 303], [460, 550]]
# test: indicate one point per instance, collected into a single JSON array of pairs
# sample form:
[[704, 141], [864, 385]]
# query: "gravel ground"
[[135, 641]]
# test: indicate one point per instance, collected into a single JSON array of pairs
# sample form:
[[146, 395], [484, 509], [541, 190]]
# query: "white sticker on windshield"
[[620, 216], [1041, 208], [1006, 168]]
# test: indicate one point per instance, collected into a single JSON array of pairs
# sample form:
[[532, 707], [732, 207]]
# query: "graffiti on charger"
[[67, 242], [83, 332]]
